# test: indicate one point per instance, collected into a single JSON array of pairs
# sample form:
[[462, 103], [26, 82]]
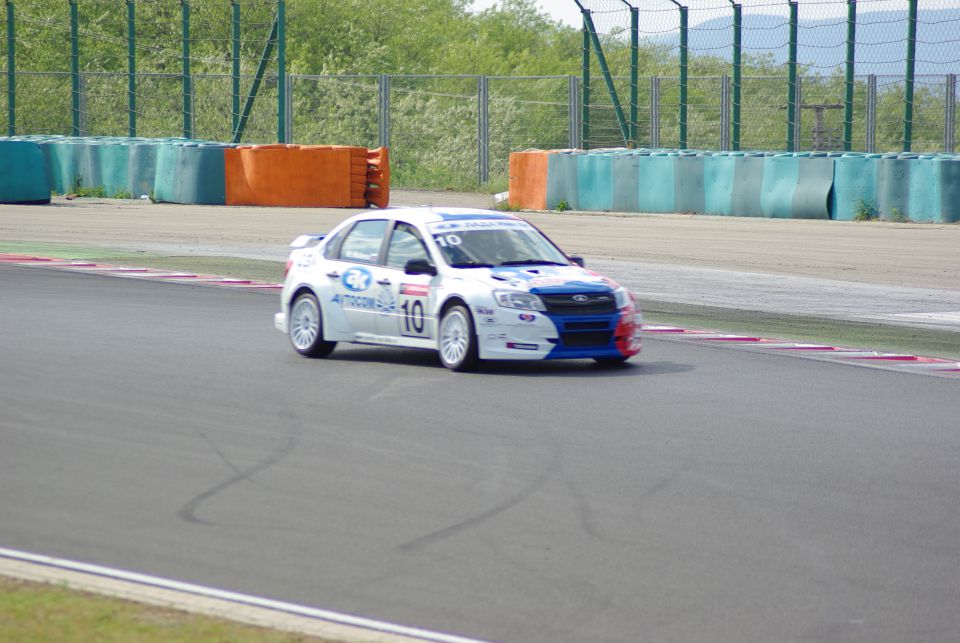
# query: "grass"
[[41, 613]]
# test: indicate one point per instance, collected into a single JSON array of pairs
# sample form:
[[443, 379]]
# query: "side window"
[[332, 247], [405, 244], [362, 243]]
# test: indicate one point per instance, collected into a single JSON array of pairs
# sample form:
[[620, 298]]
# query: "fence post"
[[798, 118], [187, 81], [848, 80], [282, 72], [683, 73], [585, 72], [871, 136], [634, 70], [235, 67], [950, 117], [383, 118], [725, 113], [573, 128], [792, 80], [74, 68], [11, 72], [655, 112], [288, 104], [911, 68], [737, 68], [131, 69], [483, 129]]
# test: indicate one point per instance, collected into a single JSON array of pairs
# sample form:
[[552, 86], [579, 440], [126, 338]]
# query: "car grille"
[[585, 339], [592, 304]]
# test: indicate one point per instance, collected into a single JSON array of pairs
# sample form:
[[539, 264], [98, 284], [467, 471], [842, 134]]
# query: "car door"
[[411, 299], [352, 275]]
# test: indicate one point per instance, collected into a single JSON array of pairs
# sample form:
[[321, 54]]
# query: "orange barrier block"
[[307, 176], [290, 175], [378, 177], [528, 179]]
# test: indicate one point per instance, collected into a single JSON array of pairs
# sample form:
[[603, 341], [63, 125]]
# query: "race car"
[[470, 284]]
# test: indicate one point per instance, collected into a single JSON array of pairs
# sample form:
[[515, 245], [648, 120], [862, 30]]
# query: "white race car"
[[470, 284]]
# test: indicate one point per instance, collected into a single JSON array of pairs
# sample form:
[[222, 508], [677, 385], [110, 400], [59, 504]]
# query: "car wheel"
[[457, 342], [306, 327], [611, 361]]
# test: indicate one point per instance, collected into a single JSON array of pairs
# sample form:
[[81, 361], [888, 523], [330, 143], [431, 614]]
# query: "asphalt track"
[[702, 494]]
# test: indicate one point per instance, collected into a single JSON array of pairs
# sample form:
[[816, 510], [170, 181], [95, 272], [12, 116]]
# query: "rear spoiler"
[[306, 241]]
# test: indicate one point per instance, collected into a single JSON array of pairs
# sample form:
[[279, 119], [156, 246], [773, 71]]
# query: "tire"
[[611, 361], [457, 341], [305, 327]]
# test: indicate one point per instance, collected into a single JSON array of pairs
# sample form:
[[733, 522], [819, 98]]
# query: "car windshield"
[[487, 243]]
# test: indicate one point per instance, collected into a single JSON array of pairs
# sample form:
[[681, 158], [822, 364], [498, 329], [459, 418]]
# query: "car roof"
[[433, 214]]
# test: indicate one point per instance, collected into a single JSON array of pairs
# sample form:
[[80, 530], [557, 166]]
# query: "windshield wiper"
[[471, 264], [532, 262]]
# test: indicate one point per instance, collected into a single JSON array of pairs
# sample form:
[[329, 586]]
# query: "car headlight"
[[622, 297], [521, 300]]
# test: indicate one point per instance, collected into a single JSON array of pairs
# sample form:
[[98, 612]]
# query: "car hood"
[[542, 280]]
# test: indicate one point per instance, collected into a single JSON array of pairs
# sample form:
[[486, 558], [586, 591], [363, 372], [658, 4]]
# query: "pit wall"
[[194, 172], [810, 185]]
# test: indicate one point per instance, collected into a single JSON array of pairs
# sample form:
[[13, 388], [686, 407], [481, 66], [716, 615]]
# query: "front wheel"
[[306, 327], [457, 343]]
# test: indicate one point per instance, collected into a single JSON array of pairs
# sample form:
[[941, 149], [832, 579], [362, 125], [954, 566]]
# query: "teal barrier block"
[[811, 199], [142, 168], [655, 183], [191, 173], [63, 165], [114, 160], [893, 187], [779, 184], [747, 185], [23, 173], [718, 171], [88, 163], [923, 193], [854, 186], [626, 177], [562, 180], [595, 182], [689, 184], [948, 175]]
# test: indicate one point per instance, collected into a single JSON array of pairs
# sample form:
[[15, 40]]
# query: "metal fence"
[[771, 74]]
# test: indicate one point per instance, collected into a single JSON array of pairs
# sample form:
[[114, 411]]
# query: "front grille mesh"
[[594, 303]]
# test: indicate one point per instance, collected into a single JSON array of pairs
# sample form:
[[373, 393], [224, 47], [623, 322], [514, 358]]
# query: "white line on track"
[[259, 611]]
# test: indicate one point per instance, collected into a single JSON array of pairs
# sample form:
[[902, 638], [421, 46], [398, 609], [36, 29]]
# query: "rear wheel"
[[457, 342], [306, 327]]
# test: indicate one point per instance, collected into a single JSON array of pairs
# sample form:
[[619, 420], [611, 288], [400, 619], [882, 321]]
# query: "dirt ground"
[[901, 254]]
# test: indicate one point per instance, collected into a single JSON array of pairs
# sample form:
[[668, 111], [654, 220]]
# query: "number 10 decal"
[[413, 322], [413, 298]]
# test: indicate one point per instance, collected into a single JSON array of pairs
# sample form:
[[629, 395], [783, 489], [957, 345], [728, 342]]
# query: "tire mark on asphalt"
[[188, 512], [528, 490]]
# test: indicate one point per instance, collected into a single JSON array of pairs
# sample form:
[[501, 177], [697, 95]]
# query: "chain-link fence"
[[869, 75]]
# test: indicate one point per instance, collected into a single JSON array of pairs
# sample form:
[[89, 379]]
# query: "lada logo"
[[580, 299], [356, 279]]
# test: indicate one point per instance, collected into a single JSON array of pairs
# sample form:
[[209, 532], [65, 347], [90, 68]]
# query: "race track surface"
[[702, 493]]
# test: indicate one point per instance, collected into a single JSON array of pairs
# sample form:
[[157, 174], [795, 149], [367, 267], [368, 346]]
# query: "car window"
[[331, 248], [362, 243], [405, 244]]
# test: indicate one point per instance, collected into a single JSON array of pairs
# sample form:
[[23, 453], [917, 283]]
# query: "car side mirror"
[[419, 267], [577, 260]]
